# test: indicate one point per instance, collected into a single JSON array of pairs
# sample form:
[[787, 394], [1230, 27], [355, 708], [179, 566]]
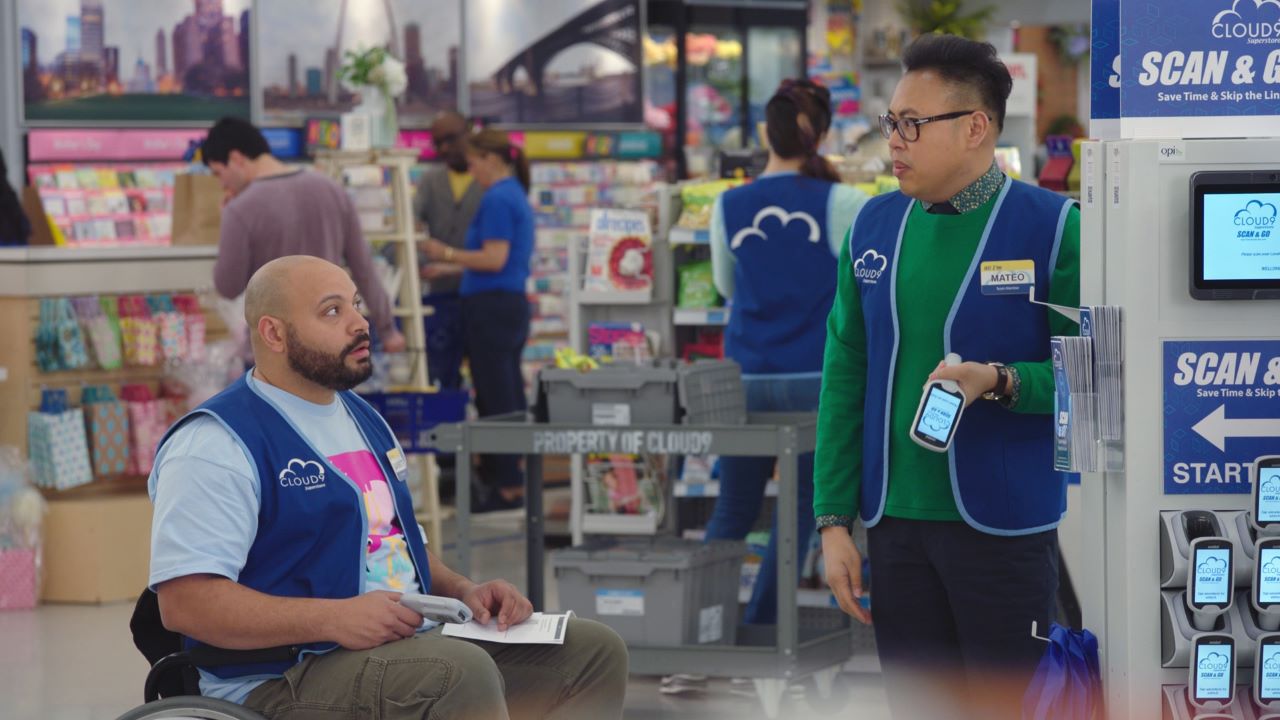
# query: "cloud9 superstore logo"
[[1255, 21], [1213, 664], [1212, 570], [1255, 221], [869, 267], [307, 474]]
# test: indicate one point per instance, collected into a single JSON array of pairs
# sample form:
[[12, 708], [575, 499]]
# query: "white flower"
[[391, 75]]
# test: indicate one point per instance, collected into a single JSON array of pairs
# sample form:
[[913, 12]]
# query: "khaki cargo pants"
[[431, 676]]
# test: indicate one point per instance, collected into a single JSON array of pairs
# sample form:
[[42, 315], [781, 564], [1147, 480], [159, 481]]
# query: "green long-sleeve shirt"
[[936, 253]]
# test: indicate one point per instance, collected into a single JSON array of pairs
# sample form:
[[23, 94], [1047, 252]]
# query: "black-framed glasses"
[[909, 128]]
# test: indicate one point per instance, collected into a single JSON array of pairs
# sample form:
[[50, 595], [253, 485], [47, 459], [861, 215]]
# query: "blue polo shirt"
[[504, 214]]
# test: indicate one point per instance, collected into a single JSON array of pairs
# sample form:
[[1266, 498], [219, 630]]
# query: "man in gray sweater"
[[274, 211], [446, 202]]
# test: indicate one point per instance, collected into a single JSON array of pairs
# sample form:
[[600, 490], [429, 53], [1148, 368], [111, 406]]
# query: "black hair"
[[496, 142], [788, 137], [975, 65], [15, 229], [229, 134]]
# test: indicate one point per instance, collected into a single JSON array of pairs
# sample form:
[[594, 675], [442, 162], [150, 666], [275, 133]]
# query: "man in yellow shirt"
[[446, 201]]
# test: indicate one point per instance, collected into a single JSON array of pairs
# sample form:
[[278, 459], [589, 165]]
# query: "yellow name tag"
[[398, 463], [1008, 277]]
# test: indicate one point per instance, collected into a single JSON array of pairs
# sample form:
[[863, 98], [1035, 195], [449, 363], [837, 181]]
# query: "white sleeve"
[[722, 258], [206, 497]]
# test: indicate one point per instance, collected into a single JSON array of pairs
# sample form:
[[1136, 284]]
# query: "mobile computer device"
[[1265, 594], [1210, 580], [1266, 672], [1212, 683], [1264, 512], [938, 416], [436, 608]]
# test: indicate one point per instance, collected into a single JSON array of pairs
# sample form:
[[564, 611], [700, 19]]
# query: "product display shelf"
[[650, 309], [396, 167], [563, 195]]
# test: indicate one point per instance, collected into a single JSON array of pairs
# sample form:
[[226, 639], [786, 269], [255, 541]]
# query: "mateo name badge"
[[1008, 277]]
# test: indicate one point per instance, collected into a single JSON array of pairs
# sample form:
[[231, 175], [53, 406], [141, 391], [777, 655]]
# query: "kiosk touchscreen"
[[1211, 585], [1213, 670], [1265, 511], [1235, 236]]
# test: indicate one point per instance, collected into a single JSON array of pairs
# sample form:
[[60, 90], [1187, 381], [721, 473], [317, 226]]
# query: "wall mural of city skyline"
[[304, 43], [134, 60]]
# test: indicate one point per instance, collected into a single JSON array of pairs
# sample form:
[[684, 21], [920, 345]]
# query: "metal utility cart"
[[771, 656]]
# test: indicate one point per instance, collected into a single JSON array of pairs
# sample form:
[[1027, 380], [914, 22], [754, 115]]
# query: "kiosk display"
[[1235, 238], [1265, 512]]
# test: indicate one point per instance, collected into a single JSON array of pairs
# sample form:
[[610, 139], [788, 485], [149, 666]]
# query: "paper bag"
[[197, 209]]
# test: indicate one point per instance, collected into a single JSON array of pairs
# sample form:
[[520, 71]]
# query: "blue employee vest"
[[312, 528], [784, 275], [1001, 463]]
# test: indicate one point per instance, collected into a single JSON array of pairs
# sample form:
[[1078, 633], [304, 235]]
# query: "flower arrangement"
[[375, 67], [380, 78]]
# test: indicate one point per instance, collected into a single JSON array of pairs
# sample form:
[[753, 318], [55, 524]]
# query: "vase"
[[384, 129]]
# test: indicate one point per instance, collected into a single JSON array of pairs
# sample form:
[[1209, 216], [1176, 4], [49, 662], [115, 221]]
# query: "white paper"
[[539, 629]]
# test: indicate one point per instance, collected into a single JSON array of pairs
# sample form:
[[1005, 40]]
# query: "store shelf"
[[384, 236], [712, 489], [686, 236], [617, 297], [706, 316], [619, 524]]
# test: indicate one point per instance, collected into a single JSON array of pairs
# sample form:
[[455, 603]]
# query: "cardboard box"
[[97, 550]]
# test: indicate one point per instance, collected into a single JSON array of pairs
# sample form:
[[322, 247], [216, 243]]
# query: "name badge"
[[398, 462], [1008, 277]]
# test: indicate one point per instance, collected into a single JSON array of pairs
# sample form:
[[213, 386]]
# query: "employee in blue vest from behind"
[[774, 246], [963, 545], [282, 518]]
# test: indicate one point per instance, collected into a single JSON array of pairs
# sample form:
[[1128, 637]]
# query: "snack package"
[[697, 286], [698, 199]]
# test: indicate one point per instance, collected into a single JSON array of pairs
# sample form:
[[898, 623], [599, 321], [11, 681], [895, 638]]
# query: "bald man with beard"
[[282, 518]]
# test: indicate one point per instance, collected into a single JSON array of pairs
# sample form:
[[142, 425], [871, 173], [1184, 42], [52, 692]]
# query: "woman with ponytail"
[[495, 308], [775, 245]]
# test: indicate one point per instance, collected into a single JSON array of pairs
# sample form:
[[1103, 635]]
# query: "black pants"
[[496, 327], [952, 609]]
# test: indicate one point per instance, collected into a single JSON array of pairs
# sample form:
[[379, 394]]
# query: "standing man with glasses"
[[446, 202], [963, 546]]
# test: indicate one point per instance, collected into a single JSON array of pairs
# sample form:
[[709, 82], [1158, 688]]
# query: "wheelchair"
[[172, 688]]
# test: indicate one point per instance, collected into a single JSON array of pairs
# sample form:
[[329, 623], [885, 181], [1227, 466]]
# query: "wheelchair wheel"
[[191, 708]]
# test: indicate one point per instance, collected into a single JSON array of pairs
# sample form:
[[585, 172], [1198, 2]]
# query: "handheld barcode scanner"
[[939, 413], [1264, 513], [1210, 580], [1212, 682], [1265, 596], [1266, 673]]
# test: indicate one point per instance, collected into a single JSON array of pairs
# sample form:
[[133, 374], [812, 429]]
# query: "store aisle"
[[77, 662]]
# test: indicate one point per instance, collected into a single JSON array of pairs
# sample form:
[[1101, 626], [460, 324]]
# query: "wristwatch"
[[1001, 390]]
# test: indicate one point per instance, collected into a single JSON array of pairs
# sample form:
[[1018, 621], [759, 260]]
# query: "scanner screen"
[[1212, 582]]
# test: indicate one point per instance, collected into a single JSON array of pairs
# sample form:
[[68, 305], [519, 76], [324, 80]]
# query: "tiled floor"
[[65, 662]]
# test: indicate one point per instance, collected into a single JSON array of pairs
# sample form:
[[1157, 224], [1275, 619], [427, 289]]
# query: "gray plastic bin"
[[655, 592], [612, 395], [711, 392]]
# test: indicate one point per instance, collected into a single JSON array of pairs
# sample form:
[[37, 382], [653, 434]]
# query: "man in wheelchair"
[[282, 519]]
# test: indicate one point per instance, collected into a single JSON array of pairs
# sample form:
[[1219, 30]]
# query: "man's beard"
[[323, 369]]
